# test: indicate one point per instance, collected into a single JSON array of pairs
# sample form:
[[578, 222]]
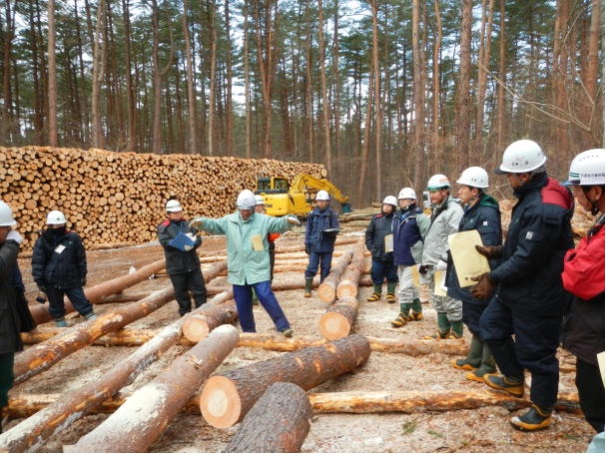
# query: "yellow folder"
[[467, 261]]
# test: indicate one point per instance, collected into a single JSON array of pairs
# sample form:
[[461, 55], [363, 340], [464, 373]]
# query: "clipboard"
[[183, 241], [467, 261], [389, 243]]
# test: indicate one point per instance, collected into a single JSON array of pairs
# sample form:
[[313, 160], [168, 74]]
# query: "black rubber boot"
[[511, 385], [308, 283], [474, 357], [534, 419]]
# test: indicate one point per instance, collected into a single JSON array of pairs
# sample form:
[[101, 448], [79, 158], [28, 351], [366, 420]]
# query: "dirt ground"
[[482, 430]]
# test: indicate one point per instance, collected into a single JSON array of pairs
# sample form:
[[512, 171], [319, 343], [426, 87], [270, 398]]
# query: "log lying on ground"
[[42, 356], [278, 422], [327, 292], [228, 397], [98, 292], [348, 285], [144, 416], [198, 326], [22, 405], [339, 319], [36, 430]]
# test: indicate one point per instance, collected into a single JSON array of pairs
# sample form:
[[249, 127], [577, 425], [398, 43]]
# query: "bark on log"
[[98, 292], [36, 430], [278, 422], [198, 326], [228, 397], [327, 292], [338, 320], [42, 356], [144, 416], [23, 405], [348, 285]]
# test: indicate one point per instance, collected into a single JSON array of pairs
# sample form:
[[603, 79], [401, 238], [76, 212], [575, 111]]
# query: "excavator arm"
[[305, 180]]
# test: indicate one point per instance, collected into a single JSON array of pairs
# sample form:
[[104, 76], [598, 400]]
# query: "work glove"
[[423, 269], [187, 248], [196, 223], [441, 265], [13, 235], [484, 288], [293, 220], [41, 298], [490, 252], [83, 281], [307, 249]]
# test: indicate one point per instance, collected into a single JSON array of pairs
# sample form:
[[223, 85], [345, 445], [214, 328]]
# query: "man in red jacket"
[[583, 276]]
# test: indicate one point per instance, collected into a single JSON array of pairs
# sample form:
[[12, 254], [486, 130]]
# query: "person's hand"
[[196, 223], [13, 235], [423, 269], [441, 265], [484, 288], [187, 248], [83, 281], [490, 252], [293, 220], [307, 249]]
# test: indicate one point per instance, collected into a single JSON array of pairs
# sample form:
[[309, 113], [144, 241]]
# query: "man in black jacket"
[[530, 300], [59, 268], [180, 242]]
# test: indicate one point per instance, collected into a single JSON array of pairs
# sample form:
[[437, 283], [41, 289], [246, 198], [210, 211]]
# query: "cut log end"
[[195, 328], [327, 293], [220, 403], [334, 326], [347, 290]]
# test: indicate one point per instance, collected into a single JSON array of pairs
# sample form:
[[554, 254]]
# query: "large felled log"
[[349, 283], [278, 422], [143, 417], [338, 320], [98, 292], [327, 291], [228, 397], [42, 356], [199, 325], [36, 430]]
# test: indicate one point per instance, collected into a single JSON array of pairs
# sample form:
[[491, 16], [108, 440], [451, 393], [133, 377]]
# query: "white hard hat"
[[522, 156], [173, 206], [390, 200], [322, 195], [55, 218], [587, 168], [438, 181], [246, 200], [6, 215], [407, 193], [476, 177], [259, 200]]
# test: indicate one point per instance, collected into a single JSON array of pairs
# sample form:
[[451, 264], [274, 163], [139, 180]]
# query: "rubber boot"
[[391, 292], [402, 317], [60, 322], [308, 282], [443, 327], [417, 310], [474, 357], [511, 385], [488, 366], [376, 295], [90, 316], [534, 419], [456, 330]]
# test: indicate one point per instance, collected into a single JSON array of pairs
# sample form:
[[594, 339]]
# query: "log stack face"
[[111, 198]]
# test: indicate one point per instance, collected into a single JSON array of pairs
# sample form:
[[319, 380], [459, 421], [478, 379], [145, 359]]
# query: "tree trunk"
[[325, 102], [418, 94], [229, 114], [191, 95], [247, 100], [483, 65], [377, 98], [212, 76], [278, 422], [52, 75], [462, 117], [198, 326], [338, 320], [437, 153], [327, 292], [228, 397], [501, 133], [159, 401], [349, 283], [98, 138]]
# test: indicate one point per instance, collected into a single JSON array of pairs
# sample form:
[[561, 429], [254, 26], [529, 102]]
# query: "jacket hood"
[[489, 201]]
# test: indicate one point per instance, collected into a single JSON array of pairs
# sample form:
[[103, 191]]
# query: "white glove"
[[187, 248], [441, 265], [293, 220], [196, 223], [13, 235]]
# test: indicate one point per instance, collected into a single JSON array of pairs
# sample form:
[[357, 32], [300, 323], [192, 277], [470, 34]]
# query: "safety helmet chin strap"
[[595, 209]]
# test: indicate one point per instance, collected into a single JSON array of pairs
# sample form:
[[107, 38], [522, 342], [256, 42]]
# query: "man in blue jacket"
[[409, 228], [481, 213], [320, 236], [59, 268], [182, 261], [530, 300], [379, 231]]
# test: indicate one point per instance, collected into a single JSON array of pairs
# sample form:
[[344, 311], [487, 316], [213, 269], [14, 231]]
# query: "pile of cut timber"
[[118, 198]]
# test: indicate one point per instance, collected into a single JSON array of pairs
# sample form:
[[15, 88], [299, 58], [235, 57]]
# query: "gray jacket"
[[445, 220]]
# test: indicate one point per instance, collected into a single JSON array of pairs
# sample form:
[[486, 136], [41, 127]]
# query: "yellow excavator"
[[282, 198]]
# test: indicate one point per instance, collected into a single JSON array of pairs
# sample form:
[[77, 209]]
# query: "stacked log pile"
[[119, 198]]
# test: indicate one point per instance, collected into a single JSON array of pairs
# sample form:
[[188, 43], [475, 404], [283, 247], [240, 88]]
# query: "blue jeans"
[[383, 270], [534, 349], [322, 259], [243, 297], [75, 295]]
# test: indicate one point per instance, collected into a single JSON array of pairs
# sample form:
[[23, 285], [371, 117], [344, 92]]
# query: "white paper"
[[59, 249], [601, 365], [389, 243]]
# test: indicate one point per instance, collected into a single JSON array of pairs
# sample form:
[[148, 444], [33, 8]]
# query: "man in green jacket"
[[248, 258]]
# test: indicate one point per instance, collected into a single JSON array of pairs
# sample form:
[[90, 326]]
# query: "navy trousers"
[[383, 269], [183, 283], [243, 297], [322, 259], [471, 316], [534, 349], [6, 376], [75, 295]]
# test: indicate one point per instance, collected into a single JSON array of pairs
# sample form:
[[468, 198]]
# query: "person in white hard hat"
[[481, 213], [320, 236], [410, 226], [379, 241], [522, 323], [180, 243], [248, 258], [445, 218], [10, 340], [583, 276], [59, 268]]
